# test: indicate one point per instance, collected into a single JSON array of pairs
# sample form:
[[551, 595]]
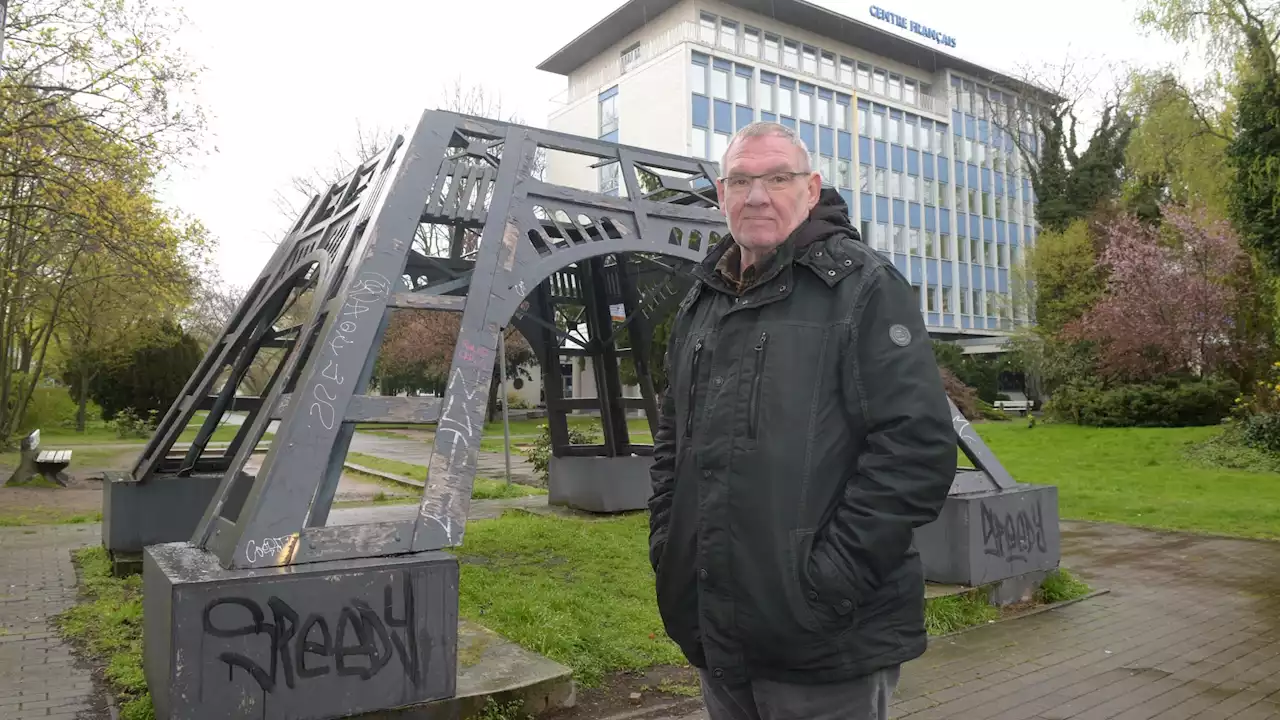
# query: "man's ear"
[[815, 189]]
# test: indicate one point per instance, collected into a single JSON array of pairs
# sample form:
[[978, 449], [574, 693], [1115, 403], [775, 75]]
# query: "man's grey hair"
[[763, 128]]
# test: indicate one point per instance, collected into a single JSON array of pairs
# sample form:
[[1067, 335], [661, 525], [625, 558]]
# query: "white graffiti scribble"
[[368, 289], [256, 550]]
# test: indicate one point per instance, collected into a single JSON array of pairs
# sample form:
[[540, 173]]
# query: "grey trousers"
[[865, 698]]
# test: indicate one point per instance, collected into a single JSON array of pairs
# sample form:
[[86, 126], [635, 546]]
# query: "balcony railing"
[[689, 32]]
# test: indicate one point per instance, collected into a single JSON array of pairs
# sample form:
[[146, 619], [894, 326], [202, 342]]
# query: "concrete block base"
[[163, 509], [307, 642], [985, 537], [600, 484]]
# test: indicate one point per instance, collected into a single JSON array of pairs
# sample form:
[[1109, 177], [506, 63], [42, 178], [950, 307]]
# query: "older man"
[[804, 434]]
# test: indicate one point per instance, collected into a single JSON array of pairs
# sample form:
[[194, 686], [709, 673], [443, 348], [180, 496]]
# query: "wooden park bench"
[[33, 461]]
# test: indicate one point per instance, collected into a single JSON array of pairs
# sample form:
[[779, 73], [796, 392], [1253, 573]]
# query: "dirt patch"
[[664, 689], [80, 501]]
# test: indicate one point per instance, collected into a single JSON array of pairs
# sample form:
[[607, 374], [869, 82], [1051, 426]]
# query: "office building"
[[923, 145]]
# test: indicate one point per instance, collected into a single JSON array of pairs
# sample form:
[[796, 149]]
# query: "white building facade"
[[922, 145]]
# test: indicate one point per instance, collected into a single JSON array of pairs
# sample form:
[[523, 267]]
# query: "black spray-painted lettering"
[[1014, 536], [363, 644]]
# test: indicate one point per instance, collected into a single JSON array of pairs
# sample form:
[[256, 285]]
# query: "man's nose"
[[757, 195]]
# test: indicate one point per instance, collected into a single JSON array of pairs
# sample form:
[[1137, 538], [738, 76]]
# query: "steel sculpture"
[[261, 602]]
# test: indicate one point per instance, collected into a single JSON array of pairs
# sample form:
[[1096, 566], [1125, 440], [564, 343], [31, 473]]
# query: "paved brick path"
[[39, 676], [1190, 629]]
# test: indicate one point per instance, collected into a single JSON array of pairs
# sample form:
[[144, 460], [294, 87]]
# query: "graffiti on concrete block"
[[1013, 536], [357, 642]]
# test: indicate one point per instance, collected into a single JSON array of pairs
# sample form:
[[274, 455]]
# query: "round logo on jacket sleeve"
[[900, 335]]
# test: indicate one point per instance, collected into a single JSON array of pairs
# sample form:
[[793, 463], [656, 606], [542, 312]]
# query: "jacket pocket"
[[757, 381], [829, 609], [693, 388]]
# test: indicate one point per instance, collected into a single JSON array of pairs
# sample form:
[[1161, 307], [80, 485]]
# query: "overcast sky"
[[285, 82]]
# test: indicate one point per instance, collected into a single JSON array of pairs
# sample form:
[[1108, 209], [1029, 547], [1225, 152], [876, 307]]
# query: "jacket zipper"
[[754, 407], [693, 389]]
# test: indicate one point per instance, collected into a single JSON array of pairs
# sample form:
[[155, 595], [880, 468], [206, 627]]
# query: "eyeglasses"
[[773, 182]]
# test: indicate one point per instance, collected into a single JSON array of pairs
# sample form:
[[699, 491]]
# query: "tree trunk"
[[494, 385], [83, 401]]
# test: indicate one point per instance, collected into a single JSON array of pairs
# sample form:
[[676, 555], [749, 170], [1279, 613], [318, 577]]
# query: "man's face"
[[766, 192]]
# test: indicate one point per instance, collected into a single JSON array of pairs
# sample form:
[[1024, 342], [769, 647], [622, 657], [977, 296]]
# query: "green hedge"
[[1170, 403]]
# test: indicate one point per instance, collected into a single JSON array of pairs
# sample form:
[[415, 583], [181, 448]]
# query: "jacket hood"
[[829, 217]]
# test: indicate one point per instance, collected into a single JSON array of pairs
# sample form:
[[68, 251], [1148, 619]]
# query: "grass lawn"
[[1138, 476], [482, 488]]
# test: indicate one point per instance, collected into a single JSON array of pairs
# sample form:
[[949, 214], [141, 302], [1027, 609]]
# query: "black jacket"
[[804, 433]]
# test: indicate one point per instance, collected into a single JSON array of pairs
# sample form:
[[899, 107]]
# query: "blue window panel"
[[895, 114], [806, 88], [701, 111], [993, 323], [848, 199], [866, 208], [949, 320], [913, 215], [942, 127], [986, 180], [984, 132], [789, 122], [933, 320], [844, 146], [826, 141], [932, 268], [928, 166], [744, 70], [957, 121], [1008, 143], [824, 93], [723, 64], [1002, 280], [999, 183], [787, 82], [930, 219], [611, 136], [917, 271], [1035, 145], [745, 116], [864, 148], [946, 273], [608, 93], [988, 228], [913, 162], [959, 172], [973, 176], [977, 275], [1000, 233], [966, 322], [768, 116], [944, 220], [900, 262], [700, 58], [724, 115], [962, 228], [895, 157], [944, 171], [864, 105], [964, 276], [882, 209], [899, 212], [882, 153], [1026, 234], [806, 134], [974, 225], [843, 99], [768, 77], [970, 127]]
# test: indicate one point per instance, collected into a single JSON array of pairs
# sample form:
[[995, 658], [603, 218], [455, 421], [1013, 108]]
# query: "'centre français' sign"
[[880, 13]]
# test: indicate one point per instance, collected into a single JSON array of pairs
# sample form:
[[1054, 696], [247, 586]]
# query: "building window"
[[946, 300], [805, 109], [829, 165], [707, 29], [729, 35], [913, 241], [909, 91], [944, 245], [771, 49], [899, 239], [878, 81], [864, 178], [895, 182], [986, 204], [824, 111], [977, 301], [810, 60], [785, 99], [790, 54], [751, 42], [699, 143], [895, 87], [719, 143], [828, 70], [973, 200], [930, 250], [929, 195], [894, 129], [964, 303], [961, 202], [864, 120], [719, 84], [742, 89], [959, 148], [609, 176], [1002, 256], [913, 187], [882, 182], [942, 193], [764, 94], [866, 232], [609, 114], [842, 174], [698, 78], [630, 58], [988, 254], [846, 71], [940, 138], [864, 77], [932, 299], [975, 251], [915, 292], [877, 125], [842, 116], [910, 135]]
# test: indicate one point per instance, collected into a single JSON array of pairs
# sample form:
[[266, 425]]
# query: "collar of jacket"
[[814, 244]]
